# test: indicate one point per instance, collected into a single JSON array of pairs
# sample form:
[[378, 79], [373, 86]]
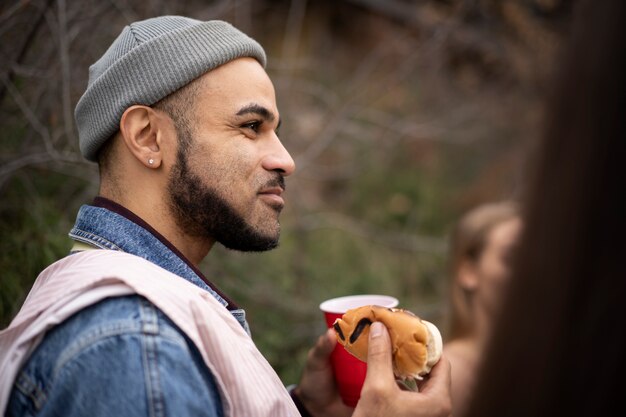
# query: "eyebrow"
[[260, 110]]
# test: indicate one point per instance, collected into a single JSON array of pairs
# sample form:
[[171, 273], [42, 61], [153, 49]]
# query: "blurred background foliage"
[[400, 116]]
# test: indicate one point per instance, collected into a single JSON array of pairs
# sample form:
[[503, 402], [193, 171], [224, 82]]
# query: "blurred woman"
[[559, 344], [481, 247]]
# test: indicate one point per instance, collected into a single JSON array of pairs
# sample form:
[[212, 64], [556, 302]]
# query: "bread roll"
[[416, 343]]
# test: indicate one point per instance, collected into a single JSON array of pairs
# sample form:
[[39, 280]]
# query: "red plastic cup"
[[350, 371]]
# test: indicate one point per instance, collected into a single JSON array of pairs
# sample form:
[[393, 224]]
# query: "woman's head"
[[481, 245], [558, 343]]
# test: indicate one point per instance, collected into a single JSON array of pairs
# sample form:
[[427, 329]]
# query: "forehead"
[[505, 233], [238, 83]]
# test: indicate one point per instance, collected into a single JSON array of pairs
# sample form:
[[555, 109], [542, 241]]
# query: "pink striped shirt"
[[248, 384]]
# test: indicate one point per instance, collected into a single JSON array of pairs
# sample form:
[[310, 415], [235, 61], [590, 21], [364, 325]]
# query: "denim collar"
[[108, 225]]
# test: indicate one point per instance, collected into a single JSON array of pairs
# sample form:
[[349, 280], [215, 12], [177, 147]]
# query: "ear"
[[141, 128], [467, 275]]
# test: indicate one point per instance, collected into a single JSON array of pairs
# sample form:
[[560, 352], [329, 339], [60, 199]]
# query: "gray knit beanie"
[[149, 60]]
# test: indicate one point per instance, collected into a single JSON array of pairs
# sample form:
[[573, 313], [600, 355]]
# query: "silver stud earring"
[[151, 161]]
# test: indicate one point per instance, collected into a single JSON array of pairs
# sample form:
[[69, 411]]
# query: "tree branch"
[[27, 43]]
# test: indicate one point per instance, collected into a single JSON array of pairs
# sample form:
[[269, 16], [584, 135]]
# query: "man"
[[181, 118]]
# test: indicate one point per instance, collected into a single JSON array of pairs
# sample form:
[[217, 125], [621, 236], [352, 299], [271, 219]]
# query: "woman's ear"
[[140, 127], [467, 275]]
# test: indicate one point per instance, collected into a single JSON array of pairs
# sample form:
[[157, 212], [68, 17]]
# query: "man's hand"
[[317, 389], [381, 396]]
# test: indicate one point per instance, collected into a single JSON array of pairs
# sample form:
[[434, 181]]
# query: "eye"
[[253, 125]]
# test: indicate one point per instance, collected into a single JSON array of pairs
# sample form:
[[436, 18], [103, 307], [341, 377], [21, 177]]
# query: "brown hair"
[[558, 347]]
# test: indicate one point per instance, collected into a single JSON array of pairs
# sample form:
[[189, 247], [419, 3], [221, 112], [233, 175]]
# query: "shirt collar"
[[110, 205]]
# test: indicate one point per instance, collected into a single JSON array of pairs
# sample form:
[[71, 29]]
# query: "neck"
[[161, 221], [483, 327], [195, 249]]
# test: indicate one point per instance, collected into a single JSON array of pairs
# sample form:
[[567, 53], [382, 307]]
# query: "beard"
[[201, 211]]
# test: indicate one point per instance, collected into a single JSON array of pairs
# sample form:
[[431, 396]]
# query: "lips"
[[273, 196]]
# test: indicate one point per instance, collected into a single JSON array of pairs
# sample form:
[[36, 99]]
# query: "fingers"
[[438, 380], [325, 344], [378, 390], [319, 355], [379, 366], [381, 396], [440, 372], [317, 389]]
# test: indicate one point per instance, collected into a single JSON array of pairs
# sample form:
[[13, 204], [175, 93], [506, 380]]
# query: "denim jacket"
[[121, 356]]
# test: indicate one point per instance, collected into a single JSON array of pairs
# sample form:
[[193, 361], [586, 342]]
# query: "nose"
[[278, 158]]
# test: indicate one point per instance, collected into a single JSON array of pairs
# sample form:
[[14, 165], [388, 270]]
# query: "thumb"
[[379, 367]]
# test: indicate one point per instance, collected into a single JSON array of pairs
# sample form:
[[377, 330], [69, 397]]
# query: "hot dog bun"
[[416, 343]]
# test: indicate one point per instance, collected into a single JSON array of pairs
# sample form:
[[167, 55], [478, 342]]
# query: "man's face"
[[227, 182]]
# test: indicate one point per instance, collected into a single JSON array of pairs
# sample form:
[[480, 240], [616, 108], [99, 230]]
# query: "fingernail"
[[376, 329]]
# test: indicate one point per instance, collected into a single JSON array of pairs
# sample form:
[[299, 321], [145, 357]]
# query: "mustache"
[[277, 181]]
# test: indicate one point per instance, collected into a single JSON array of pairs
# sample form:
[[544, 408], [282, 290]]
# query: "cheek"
[[232, 179], [230, 168], [232, 159], [495, 266], [494, 275], [493, 281]]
